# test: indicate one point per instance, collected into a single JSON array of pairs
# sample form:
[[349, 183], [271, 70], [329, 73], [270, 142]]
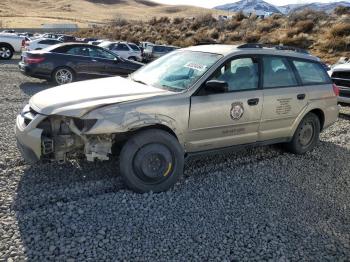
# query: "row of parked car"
[[144, 52]]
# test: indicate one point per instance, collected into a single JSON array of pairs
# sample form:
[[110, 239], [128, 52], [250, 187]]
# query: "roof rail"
[[278, 47]]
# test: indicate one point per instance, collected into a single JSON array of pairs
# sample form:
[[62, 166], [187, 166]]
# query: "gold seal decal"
[[237, 110]]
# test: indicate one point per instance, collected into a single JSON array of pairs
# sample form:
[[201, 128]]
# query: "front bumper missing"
[[29, 138]]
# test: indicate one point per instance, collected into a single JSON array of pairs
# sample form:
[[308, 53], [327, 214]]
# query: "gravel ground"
[[258, 204]]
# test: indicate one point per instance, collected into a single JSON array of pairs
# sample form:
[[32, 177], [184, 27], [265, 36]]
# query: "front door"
[[230, 118]]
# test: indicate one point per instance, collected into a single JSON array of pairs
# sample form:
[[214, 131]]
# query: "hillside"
[[261, 7], [33, 13]]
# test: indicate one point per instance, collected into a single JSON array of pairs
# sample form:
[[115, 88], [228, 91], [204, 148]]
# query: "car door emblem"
[[237, 111]]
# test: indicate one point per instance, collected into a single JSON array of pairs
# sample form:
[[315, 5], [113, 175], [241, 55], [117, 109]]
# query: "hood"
[[342, 67], [76, 99]]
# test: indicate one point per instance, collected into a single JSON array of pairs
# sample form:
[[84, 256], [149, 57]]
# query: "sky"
[[212, 3]]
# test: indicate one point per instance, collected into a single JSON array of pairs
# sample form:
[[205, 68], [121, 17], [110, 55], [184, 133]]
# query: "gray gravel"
[[258, 204]]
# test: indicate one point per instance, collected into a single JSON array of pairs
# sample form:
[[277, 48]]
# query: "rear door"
[[79, 59], [284, 98], [230, 118], [122, 50], [108, 64]]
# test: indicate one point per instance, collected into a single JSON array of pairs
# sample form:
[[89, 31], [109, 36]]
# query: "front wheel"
[[151, 160], [6, 52], [306, 136], [63, 76]]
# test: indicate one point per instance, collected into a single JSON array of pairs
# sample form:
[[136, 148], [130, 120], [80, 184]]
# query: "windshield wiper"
[[138, 81], [173, 88]]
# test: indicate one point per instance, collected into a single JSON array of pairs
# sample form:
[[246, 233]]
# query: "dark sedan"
[[65, 63]]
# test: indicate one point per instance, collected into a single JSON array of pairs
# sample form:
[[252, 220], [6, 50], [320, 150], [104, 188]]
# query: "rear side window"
[[121, 47], [277, 72], [311, 72], [134, 47]]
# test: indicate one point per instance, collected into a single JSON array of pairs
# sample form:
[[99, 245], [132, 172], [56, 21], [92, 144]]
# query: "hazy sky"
[[212, 3]]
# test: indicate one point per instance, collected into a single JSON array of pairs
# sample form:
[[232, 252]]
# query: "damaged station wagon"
[[194, 100]]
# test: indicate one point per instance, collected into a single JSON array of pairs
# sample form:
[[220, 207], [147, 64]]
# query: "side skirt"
[[236, 148]]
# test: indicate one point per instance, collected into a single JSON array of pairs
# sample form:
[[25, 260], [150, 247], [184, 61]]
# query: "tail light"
[[336, 89], [23, 42], [33, 60]]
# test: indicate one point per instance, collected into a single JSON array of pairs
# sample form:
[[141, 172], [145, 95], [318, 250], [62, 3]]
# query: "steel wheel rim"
[[64, 76], [153, 163], [306, 134], [5, 52]]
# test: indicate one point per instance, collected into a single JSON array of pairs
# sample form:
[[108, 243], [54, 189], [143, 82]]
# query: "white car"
[[9, 44], [340, 75], [40, 43], [124, 49]]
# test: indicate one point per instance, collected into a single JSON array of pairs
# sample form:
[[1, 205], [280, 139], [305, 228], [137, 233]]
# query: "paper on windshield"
[[195, 66]]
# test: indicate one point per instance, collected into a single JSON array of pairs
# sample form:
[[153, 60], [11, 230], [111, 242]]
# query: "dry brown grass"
[[327, 36], [33, 13]]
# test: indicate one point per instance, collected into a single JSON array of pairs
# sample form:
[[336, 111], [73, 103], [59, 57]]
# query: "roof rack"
[[277, 47]]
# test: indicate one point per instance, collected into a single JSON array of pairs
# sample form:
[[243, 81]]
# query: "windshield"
[[177, 70]]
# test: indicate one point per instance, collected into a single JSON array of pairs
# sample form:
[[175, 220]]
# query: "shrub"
[[240, 16], [178, 20], [120, 22], [232, 24], [304, 26], [342, 10], [340, 30], [252, 38], [214, 34], [298, 41]]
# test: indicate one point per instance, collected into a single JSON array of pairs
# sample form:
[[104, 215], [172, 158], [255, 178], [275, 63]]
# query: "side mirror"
[[216, 86]]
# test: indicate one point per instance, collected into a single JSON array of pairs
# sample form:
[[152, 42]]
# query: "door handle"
[[301, 96], [94, 60], [253, 101]]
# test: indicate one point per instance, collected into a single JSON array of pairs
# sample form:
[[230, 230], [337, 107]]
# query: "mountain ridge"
[[261, 7]]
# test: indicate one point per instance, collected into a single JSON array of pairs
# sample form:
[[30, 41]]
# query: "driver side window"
[[239, 73]]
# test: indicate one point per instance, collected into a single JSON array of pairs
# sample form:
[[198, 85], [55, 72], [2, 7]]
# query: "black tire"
[[67, 70], [306, 136], [152, 160], [6, 52]]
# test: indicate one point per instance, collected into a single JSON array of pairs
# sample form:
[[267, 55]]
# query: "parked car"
[[152, 52], [65, 63], [97, 42], [40, 43], [124, 49], [8, 31], [191, 101], [9, 44], [341, 77], [67, 38]]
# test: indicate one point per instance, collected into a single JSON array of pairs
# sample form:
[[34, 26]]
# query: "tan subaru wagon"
[[194, 100]]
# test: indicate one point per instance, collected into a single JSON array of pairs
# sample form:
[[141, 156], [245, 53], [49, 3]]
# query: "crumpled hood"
[[78, 98]]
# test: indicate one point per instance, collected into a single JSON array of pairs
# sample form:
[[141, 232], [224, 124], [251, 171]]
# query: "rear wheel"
[[306, 136], [63, 75], [151, 160], [6, 52]]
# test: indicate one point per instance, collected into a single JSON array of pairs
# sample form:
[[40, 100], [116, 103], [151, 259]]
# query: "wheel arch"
[[7, 45], [320, 114]]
